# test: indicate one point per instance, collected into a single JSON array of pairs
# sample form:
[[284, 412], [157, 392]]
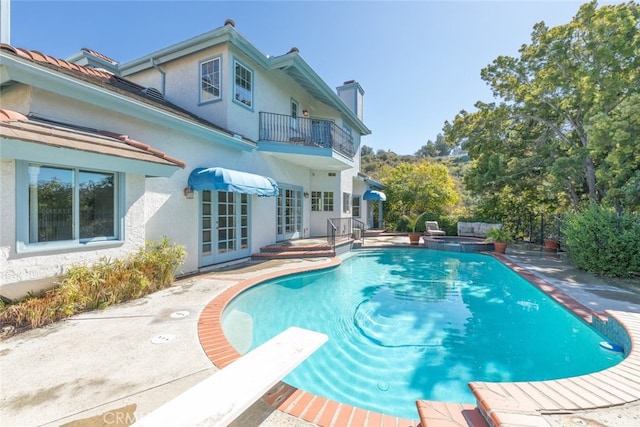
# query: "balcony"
[[311, 142]]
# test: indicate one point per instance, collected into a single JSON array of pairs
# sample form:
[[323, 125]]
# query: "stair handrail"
[[331, 235]]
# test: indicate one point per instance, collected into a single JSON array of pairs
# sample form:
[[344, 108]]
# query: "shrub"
[[105, 283], [601, 242]]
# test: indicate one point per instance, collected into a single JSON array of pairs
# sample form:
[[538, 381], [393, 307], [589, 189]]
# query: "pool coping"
[[525, 403], [500, 403]]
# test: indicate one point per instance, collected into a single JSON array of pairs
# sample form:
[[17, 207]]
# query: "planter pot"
[[414, 238], [500, 247], [551, 245]]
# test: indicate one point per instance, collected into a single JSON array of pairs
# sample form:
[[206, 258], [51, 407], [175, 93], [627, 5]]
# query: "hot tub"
[[458, 244]]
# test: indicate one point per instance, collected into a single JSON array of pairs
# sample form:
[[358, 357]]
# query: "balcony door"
[[321, 132], [289, 213], [224, 227]]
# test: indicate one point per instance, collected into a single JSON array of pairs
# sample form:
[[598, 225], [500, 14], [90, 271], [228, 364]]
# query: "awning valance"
[[231, 180], [374, 195]]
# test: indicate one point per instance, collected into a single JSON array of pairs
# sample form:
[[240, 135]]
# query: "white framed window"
[[322, 201], [210, 78], [316, 201], [355, 206], [66, 206], [327, 201], [243, 85], [346, 202]]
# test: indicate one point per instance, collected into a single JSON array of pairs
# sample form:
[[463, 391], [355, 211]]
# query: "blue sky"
[[418, 62]]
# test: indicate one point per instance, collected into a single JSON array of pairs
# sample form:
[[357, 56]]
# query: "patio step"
[[295, 249], [293, 254], [446, 414]]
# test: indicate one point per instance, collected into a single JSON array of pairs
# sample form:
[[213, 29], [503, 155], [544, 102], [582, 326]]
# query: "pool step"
[[302, 248], [445, 414]]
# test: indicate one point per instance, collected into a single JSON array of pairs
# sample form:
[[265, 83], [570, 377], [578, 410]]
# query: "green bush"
[[601, 242], [100, 285]]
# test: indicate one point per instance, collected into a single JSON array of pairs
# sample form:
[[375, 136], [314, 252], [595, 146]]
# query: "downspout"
[[162, 73]]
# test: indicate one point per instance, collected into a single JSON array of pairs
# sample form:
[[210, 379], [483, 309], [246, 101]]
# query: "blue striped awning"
[[232, 180], [374, 195]]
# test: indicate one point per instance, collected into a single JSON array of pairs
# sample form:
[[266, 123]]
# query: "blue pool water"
[[408, 324]]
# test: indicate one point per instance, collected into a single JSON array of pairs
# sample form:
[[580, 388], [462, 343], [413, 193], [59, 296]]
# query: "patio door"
[[289, 213], [321, 132], [224, 227]]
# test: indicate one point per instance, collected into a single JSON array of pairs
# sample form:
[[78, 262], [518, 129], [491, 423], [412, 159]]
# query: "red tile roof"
[[18, 126], [111, 82]]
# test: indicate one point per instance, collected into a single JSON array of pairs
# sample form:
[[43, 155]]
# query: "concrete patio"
[[108, 367]]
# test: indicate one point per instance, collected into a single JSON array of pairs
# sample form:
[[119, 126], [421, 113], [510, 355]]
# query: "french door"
[[224, 227], [289, 213]]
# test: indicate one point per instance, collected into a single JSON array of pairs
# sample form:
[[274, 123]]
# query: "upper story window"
[[243, 86], [210, 80], [67, 204]]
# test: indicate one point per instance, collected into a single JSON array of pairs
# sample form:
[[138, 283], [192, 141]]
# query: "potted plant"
[[413, 219], [500, 238], [551, 244]]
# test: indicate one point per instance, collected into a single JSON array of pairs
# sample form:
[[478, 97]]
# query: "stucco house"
[[209, 142]]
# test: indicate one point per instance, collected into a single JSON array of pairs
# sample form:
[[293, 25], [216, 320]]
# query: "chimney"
[[352, 94], [5, 21]]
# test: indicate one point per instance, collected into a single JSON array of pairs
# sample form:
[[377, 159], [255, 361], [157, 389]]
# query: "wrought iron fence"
[[306, 131], [535, 228]]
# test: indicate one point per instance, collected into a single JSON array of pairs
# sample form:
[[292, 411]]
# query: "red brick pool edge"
[[501, 404]]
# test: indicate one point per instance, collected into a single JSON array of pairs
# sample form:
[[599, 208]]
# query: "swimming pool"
[[408, 324]]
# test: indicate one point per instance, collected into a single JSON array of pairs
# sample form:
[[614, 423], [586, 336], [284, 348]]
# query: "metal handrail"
[[331, 235], [306, 131]]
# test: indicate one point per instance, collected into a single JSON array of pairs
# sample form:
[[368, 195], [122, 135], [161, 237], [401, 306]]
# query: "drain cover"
[[180, 314], [162, 338]]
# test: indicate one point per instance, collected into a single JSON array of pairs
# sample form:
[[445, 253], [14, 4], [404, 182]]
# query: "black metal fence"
[[535, 228], [306, 131]]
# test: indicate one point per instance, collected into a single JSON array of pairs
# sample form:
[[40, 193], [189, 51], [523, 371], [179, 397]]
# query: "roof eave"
[[32, 74], [325, 93], [225, 34]]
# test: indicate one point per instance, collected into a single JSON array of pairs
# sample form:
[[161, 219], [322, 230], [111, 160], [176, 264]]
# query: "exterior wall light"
[[305, 113], [188, 193], [306, 195]]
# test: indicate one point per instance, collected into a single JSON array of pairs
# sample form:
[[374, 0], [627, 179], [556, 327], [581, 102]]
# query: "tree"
[[434, 149], [417, 187], [568, 80], [366, 151], [616, 141]]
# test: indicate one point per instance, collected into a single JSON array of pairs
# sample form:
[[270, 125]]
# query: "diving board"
[[221, 398]]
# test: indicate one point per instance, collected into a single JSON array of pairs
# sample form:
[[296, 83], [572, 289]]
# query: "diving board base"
[[221, 398]]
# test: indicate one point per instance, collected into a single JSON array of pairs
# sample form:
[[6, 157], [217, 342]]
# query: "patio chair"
[[433, 229]]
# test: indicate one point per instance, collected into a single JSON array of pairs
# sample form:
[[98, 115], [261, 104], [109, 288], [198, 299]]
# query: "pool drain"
[[179, 314], [162, 338], [382, 386]]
